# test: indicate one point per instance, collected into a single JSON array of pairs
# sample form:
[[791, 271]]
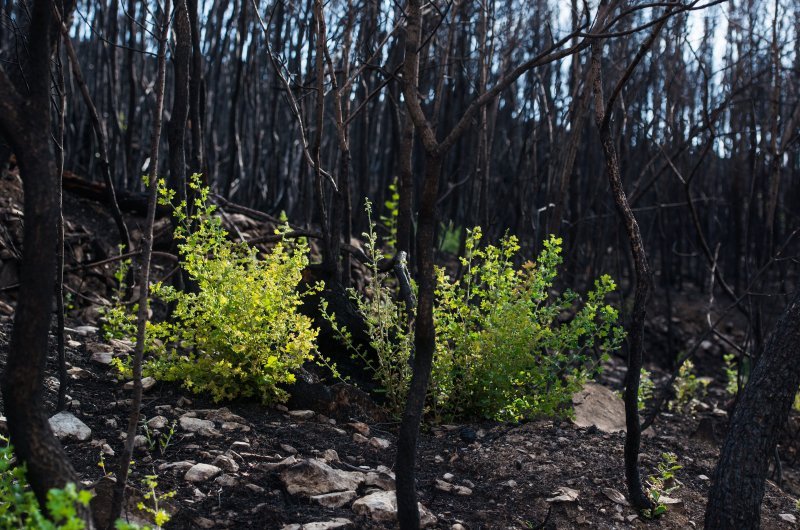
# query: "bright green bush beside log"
[[239, 333]]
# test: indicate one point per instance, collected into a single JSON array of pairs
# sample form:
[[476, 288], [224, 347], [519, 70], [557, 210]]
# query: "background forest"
[[387, 174]]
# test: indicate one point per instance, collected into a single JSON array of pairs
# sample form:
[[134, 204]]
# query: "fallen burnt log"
[[129, 202]]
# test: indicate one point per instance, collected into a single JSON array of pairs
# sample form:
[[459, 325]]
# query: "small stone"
[[448, 477], [703, 477], [201, 473], [234, 426], [439, 459], [380, 479], [157, 422], [227, 463], [509, 484], [66, 425], [281, 408], [86, 330], [240, 446], [203, 522], [121, 345], [330, 455], [111, 422], [107, 450], [288, 449], [147, 384], [74, 344], [333, 524], [302, 414], [458, 526], [360, 438], [315, 477], [228, 481], [140, 441], [379, 443], [223, 415], [202, 427], [183, 465], [563, 494], [79, 373], [441, 485], [254, 488], [336, 499], [382, 506], [183, 402], [359, 427], [103, 357], [789, 518], [275, 466]]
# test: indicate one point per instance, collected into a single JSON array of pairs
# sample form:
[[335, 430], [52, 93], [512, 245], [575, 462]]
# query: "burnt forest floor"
[[498, 475]]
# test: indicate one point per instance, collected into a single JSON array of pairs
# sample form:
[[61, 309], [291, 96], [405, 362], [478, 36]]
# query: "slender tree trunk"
[[144, 276], [424, 344], [737, 487], [25, 122]]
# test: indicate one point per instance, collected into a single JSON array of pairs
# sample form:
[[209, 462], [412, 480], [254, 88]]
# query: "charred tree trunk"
[[25, 122], [738, 484]]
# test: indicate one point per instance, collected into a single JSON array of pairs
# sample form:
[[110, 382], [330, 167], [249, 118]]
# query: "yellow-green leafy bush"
[[502, 348], [239, 333]]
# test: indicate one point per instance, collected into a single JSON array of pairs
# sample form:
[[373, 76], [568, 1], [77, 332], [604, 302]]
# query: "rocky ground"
[[240, 465], [245, 466]]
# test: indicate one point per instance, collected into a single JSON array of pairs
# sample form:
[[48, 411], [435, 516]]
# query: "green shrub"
[[389, 219], [118, 321], [386, 326], [662, 483], [688, 388], [240, 333], [502, 349]]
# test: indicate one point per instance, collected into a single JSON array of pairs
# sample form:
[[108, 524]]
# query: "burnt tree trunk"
[[25, 121], [738, 484]]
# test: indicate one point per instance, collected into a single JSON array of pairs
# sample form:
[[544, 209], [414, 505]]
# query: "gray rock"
[[227, 463], [277, 466], [223, 415], [288, 449], [201, 473], [330, 455], [86, 330], [378, 479], [147, 384], [315, 477], [333, 524], [255, 488], [360, 427], [202, 427], [157, 422], [379, 443], [66, 426], [103, 357], [227, 481], [382, 506], [599, 406], [302, 414], [336, 499], [235, 426], [441, 485], [183, 465]]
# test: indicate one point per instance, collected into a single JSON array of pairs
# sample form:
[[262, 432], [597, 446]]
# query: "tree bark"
[[737, 487], [25, 121]]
